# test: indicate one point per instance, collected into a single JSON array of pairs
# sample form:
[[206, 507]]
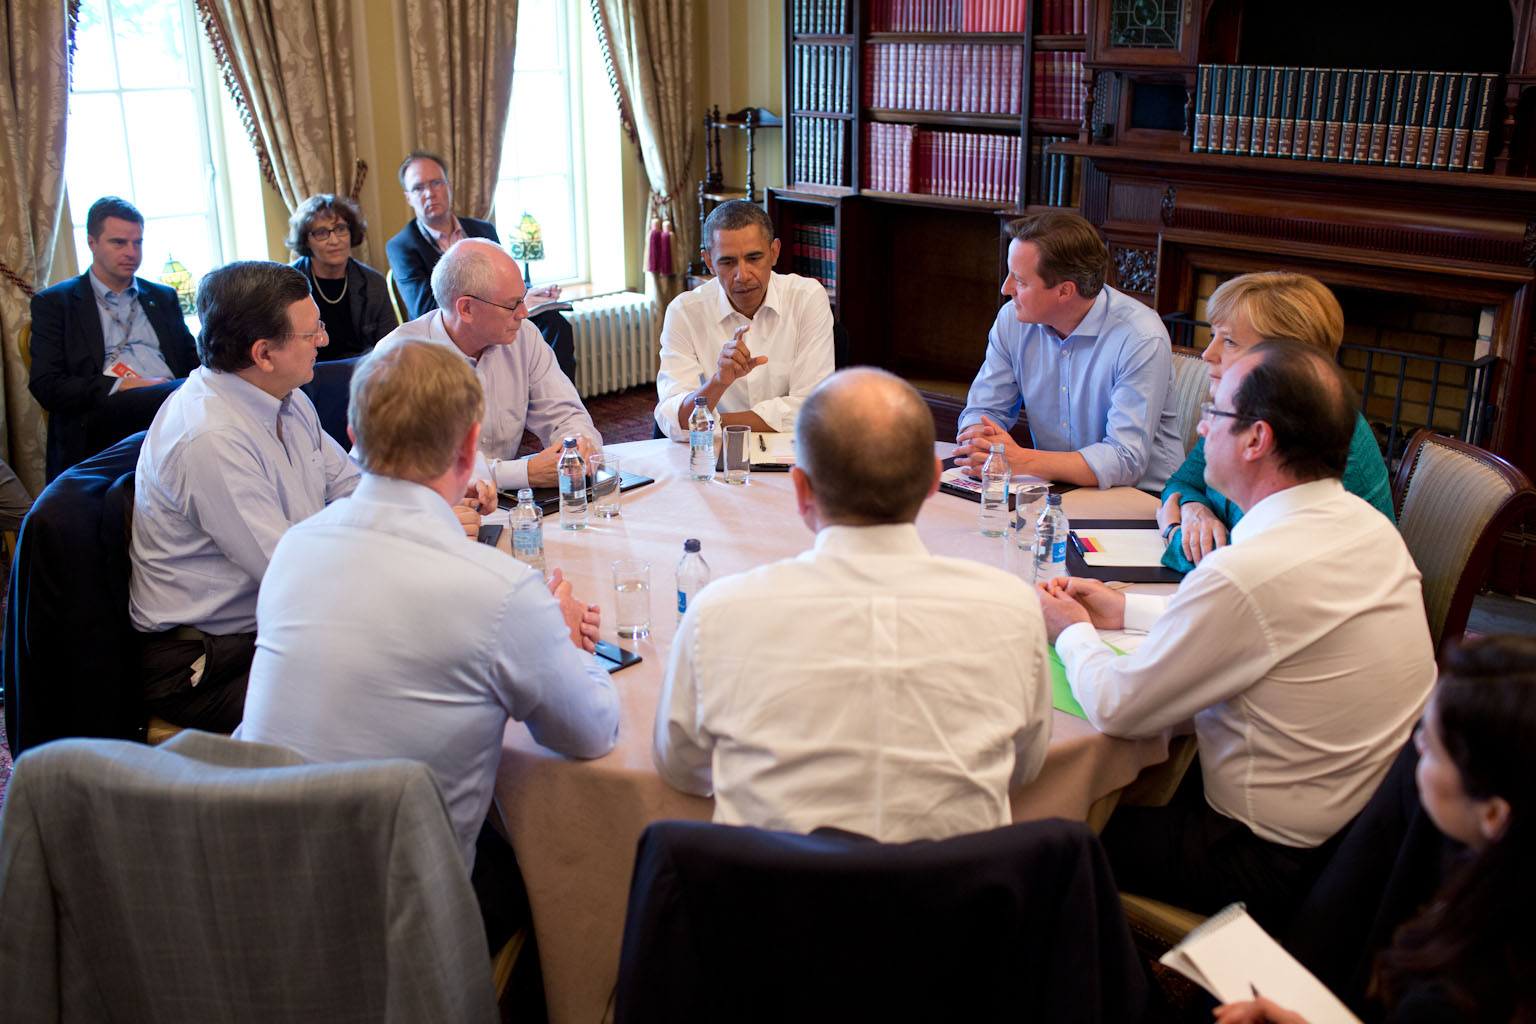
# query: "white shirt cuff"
[[1142, 610]]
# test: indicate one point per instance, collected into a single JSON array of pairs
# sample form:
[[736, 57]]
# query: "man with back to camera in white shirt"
[[829, 689], [385, 633], [1301, 650], [752, 342]]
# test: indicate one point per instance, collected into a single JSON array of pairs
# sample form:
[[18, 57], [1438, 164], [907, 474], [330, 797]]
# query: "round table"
[[574, 824]]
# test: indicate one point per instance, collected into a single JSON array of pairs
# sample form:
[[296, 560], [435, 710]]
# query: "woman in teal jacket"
[[1244, 311]]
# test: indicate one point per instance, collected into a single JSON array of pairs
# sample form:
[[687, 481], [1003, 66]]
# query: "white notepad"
[[1122, 547], [1232, 958]]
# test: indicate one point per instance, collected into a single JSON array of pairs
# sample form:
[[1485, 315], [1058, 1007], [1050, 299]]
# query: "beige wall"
[[741, 64]]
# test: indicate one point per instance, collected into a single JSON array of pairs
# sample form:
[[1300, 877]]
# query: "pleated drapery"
[[649, 46], [36, 43]]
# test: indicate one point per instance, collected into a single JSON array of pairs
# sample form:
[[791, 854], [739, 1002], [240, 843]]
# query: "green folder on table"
[[1061, 693]]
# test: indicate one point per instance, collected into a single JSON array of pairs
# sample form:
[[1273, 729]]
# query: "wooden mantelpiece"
[[1167, 215]]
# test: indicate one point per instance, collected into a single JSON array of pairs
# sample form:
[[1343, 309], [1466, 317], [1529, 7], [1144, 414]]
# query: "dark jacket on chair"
[[69, 355], [412, 255], [70, 661], [1019, 923]]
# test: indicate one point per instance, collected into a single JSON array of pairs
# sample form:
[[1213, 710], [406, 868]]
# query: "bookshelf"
[[1191, 180], [915, 130]]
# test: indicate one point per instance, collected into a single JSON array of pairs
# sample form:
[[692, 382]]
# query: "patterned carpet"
[[621, 416]]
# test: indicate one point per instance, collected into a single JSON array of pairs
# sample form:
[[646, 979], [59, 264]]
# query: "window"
[[146, 122], [561, 155], [541, 150]]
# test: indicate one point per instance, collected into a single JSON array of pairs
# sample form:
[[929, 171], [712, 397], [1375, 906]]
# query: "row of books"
[[1053, 179], [813, 253], [948, 15], [963, 165], [1432, 119], [961, 78], [819, 155], [1063, 17], [1056, 91], [823, 78], [818, 17]]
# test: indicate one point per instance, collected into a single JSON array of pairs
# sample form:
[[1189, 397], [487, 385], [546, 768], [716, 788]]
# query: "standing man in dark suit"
[[421, 243], [107, 347]]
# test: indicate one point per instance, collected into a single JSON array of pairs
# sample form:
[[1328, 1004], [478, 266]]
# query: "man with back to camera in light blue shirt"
[[385, 633], [233, 458], [1089, 365]]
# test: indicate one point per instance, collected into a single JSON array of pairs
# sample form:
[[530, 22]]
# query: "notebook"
[[1234, 959]]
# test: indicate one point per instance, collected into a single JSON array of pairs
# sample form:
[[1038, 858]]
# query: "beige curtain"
[[36, 37], [649, 44], [461, 54], [288, 63]]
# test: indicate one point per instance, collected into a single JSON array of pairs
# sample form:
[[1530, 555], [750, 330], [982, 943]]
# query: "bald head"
[[471, 266], [1299, 392], [865, 439]]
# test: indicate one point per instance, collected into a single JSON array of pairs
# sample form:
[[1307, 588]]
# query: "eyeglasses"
[[510, 309], [321, 234], [321, 333], [423, 187], [1208, 409]]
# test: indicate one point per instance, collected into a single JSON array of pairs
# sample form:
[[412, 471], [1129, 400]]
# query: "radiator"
[[617, 342]]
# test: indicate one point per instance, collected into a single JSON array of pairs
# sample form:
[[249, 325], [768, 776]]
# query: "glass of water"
[[632, 595], [738, 453], [1028, 500], [605, 484]]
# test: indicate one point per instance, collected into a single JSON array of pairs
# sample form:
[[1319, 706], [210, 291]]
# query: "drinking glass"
[[632, 595], [606, 477], [738, 453]]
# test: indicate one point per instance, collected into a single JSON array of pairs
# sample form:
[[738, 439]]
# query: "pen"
[[1255, 990], [1077, 545], [761, 444]]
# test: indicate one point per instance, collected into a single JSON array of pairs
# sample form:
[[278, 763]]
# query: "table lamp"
[[527, 243], [174, 275]]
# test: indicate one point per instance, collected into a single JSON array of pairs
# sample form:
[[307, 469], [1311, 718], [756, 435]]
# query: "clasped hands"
[[1202, 533], [1067, 600], [974, 444]]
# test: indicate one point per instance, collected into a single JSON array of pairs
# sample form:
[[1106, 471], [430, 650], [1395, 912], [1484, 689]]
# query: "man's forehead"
[[740, 241], [424, 167], [118, 229]]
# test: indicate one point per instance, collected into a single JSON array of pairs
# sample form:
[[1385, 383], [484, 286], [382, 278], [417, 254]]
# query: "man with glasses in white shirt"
[[482, 314], [235, 457], [1300, 650]]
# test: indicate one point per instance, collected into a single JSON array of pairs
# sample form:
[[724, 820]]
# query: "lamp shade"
[[174, 275], [527, 242]]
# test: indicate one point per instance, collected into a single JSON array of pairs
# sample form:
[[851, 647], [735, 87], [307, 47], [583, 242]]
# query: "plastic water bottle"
[[692, 574], [701, 441], [1051, 540], [994, 493], [528, 531], [573, 487]]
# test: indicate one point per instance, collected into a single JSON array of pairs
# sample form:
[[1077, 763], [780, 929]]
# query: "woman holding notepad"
[[1470, 955], [1195, 519]]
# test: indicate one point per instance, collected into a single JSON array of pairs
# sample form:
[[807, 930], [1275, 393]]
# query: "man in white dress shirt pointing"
[[752, 342], [1301, 651]]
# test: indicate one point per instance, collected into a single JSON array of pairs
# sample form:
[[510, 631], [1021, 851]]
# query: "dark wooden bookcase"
[[916, 274]]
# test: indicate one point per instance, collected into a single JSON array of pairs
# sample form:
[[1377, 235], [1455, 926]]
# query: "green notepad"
[[1061, 693]]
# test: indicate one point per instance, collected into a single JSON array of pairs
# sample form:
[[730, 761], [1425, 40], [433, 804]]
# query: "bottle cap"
[[525, 494], [700, 400], [569, 442], [1053, 499], [690, 544], [997, 449]]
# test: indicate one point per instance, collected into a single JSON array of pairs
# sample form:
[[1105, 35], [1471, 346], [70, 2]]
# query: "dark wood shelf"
[[1067, 42], [816, 195], [886, 115], [1054, 126], [844, 38], [985, 38], [924, 199], [1319, 169]]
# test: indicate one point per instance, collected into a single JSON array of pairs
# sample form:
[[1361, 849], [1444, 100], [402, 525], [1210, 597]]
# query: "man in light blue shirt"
[[1089, 365], [385, 633], [233, 458]]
